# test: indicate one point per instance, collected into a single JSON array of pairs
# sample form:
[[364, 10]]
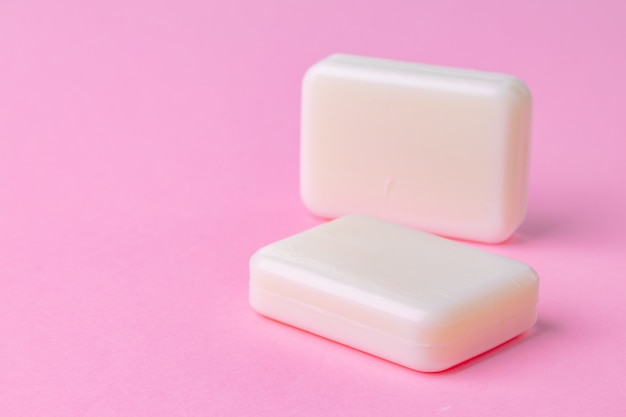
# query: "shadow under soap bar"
[[441, 149], [410, 297]]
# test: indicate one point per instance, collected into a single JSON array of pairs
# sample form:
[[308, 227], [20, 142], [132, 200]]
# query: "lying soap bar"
[[442, 149], [420, 300]]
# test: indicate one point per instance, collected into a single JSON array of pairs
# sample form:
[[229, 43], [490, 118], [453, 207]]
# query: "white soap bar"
[[410, 297], [442, 149]]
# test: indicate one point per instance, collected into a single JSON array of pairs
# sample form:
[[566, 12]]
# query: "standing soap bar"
[[410, 297], [442, 149]]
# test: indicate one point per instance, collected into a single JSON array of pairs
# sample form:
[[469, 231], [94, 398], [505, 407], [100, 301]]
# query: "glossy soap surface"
[[413, 298], [442, 149]]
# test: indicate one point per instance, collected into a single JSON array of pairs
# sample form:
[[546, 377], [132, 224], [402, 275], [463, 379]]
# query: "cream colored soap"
[[442, 149], [407, 296]]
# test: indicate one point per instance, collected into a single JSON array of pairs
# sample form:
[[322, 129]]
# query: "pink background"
[[147, 148]]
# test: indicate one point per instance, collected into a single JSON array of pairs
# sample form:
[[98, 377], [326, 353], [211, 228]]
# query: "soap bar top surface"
[[412, 286], [425, 273], [443, 149]]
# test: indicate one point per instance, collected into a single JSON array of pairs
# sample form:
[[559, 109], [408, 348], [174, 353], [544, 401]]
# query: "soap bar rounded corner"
[[312, 203], [498, 235], [519, 90], [257, 258], [315, 70]]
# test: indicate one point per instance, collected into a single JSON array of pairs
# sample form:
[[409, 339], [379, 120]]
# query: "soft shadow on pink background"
[[148, 148]]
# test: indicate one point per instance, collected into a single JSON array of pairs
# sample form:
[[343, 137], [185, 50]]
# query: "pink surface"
[[148, 148]]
